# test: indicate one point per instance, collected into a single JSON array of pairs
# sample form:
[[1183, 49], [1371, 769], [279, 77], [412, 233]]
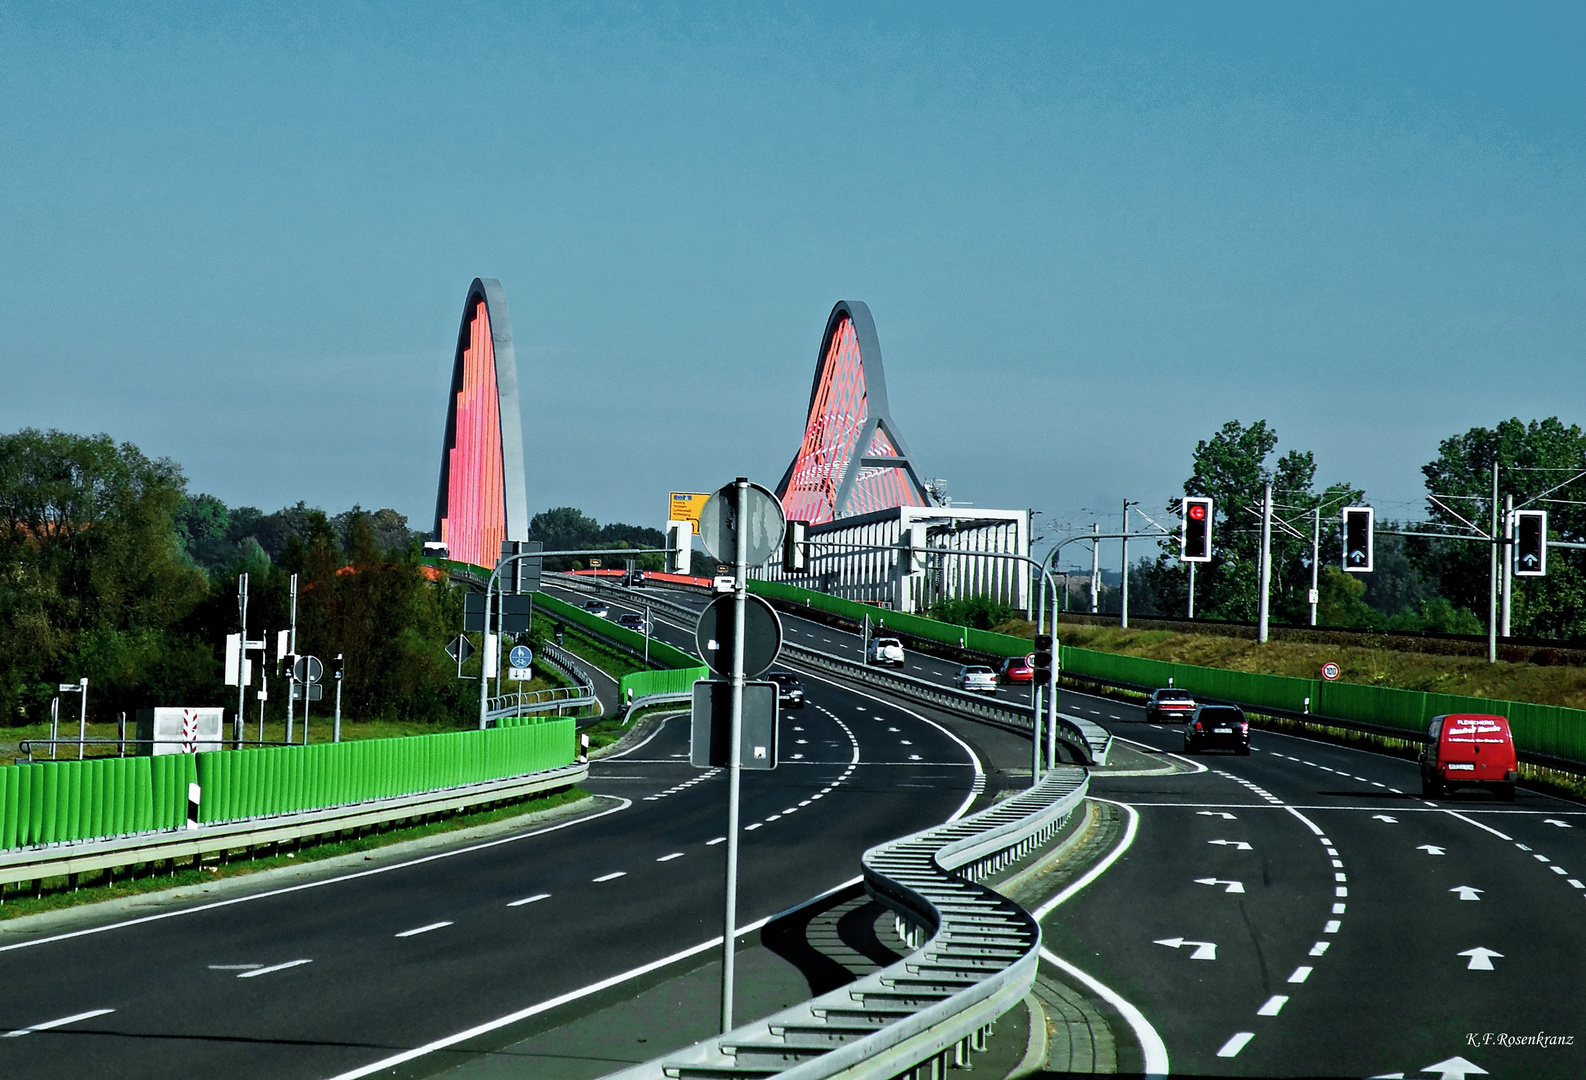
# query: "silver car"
[[977, 678]]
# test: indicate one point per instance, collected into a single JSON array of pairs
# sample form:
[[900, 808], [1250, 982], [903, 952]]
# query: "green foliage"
[[1537, 464], [980, 612], [566, 528]]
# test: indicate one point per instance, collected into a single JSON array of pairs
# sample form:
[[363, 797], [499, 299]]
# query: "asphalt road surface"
[[359, 968]]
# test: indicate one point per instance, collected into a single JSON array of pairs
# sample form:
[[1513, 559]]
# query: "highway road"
[[334, 976], [1303, 912]]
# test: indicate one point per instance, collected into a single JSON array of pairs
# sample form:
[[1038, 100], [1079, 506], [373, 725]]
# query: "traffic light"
[[1195, 545], [338, 666], [1359, 527], [679, 547], [796, 548], [1041, 661], [1530, 543]]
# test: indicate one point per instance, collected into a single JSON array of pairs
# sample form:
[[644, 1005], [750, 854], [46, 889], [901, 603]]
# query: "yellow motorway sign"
[[687, 506]]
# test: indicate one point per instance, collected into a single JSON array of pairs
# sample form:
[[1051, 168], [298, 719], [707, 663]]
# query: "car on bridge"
[[633, 577], [1468, 750], [885, 650], [597, 608], [632, 620], [976, 678], [789, 691], [1016, 669], [1217, 726], [1169, 705]]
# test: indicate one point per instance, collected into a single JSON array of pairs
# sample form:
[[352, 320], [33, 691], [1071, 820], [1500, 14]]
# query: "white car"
[[976, 678], [885, 650]]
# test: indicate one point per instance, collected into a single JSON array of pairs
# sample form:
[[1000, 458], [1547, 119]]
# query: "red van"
[[1468, 750]]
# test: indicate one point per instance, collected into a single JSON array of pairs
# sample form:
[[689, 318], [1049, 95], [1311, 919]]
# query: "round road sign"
[[1329, 671], [521, 656], [1029, 660], [762, 635], [308, 669], [761, 514]]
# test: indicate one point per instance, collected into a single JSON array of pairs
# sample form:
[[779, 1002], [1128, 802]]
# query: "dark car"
[[632, 620], [1169, 706], [633, 577], [1219, 727], [789, 691]]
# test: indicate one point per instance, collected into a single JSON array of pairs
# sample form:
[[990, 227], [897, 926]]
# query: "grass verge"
[[62, 892]]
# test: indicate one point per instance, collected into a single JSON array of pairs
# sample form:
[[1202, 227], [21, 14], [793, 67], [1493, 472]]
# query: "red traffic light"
[[1197, 511]]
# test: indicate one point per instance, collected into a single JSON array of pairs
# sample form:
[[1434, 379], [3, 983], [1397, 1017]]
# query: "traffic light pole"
[[1266, 563], [1316, 556], [1508, 560]]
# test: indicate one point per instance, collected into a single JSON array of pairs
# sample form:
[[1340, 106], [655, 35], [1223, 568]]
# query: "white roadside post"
[[1266, 561]]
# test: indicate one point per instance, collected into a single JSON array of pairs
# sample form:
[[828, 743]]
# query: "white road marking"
[[62, 1022], [1480, 958], [1539, 857], [1237, 845], [613, 876], [669, 858], [1576, 883], [1233, 886], [1274, 1005], [1225, 815], [274, 968], [1338, 909], [536, 898], [234, 967], [417, 930], [1204, 950], [1152, 1048], [1300, 975], [1556, 821], [1341, 891], [718, 840], [1320, 948], [1455, 1068], [1430, 849], [1559, 870], [1332, 926], [1467, 892], [752, 828], [1232, 1047]]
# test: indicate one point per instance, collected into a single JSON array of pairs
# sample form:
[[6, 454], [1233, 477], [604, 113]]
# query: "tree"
[[1231, 467], [1539, 464]]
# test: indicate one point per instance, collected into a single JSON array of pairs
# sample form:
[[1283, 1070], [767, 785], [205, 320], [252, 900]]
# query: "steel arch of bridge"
[[853, 459], [483, 494]]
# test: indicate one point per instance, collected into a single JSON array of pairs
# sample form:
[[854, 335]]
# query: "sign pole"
[[735, 757], [242, 657]]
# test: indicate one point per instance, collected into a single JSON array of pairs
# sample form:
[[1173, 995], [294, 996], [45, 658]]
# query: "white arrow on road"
[[1239, 845], [1455, 1068], [1430, 849], [1389, 818], [1480, 960], [1204, 950], [1556, 821], [1467, 892], [1225, 815], [1233, 886]]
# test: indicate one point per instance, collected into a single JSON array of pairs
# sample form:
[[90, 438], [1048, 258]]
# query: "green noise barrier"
[[52, 802], [1553, 730], [682, 669]]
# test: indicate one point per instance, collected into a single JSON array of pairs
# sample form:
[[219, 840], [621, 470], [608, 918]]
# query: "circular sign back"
[[762, 637], [308, 669], [761, 518], [1329, 671]]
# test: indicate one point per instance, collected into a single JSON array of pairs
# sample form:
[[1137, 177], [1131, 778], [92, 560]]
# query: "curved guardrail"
[[528, 702], [975, 956]]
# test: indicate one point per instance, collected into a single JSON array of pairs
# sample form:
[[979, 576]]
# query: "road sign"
[[520, 656], [685, 506], [1330, 671], [761, 516], [515, 612], [474, 612], [520, 674], [1029, 660], [460, 648], [762, 635], [308, 669], [710, 739], [314, 691]]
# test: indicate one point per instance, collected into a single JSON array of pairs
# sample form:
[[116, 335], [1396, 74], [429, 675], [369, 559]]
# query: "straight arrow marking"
[[1204, 950], [1239, 845], [1430, 849], [1233, 886], [1467, 892], [1455, 1068], [1480, 960], [1389, 818]]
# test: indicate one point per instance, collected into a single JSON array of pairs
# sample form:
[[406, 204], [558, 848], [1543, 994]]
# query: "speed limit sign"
[[1330, 671]]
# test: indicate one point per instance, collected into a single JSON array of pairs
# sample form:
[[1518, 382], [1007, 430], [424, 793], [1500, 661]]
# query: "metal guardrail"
[[82, 856], [1091, 742], [975, 954], [558, 697]]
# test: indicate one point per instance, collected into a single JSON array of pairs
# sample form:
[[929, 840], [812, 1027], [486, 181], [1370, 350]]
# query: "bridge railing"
[[975, 954]]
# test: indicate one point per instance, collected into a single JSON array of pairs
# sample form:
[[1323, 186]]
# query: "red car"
[[1468, 750], [1016, 669]]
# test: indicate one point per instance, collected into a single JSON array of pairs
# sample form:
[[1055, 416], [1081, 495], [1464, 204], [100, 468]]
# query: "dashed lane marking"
[[273, 968], [536, 898], [613, 876], [62, 1022], [417, 930], [669, 858]]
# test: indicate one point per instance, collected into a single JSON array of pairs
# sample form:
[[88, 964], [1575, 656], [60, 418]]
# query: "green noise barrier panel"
[[1542, 729], [52, 802], [683, 669]]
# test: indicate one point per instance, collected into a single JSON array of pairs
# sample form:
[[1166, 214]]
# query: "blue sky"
[[1089, 234]]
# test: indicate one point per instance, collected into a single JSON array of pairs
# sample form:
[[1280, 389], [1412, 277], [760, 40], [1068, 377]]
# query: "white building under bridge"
[[859, 557]]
